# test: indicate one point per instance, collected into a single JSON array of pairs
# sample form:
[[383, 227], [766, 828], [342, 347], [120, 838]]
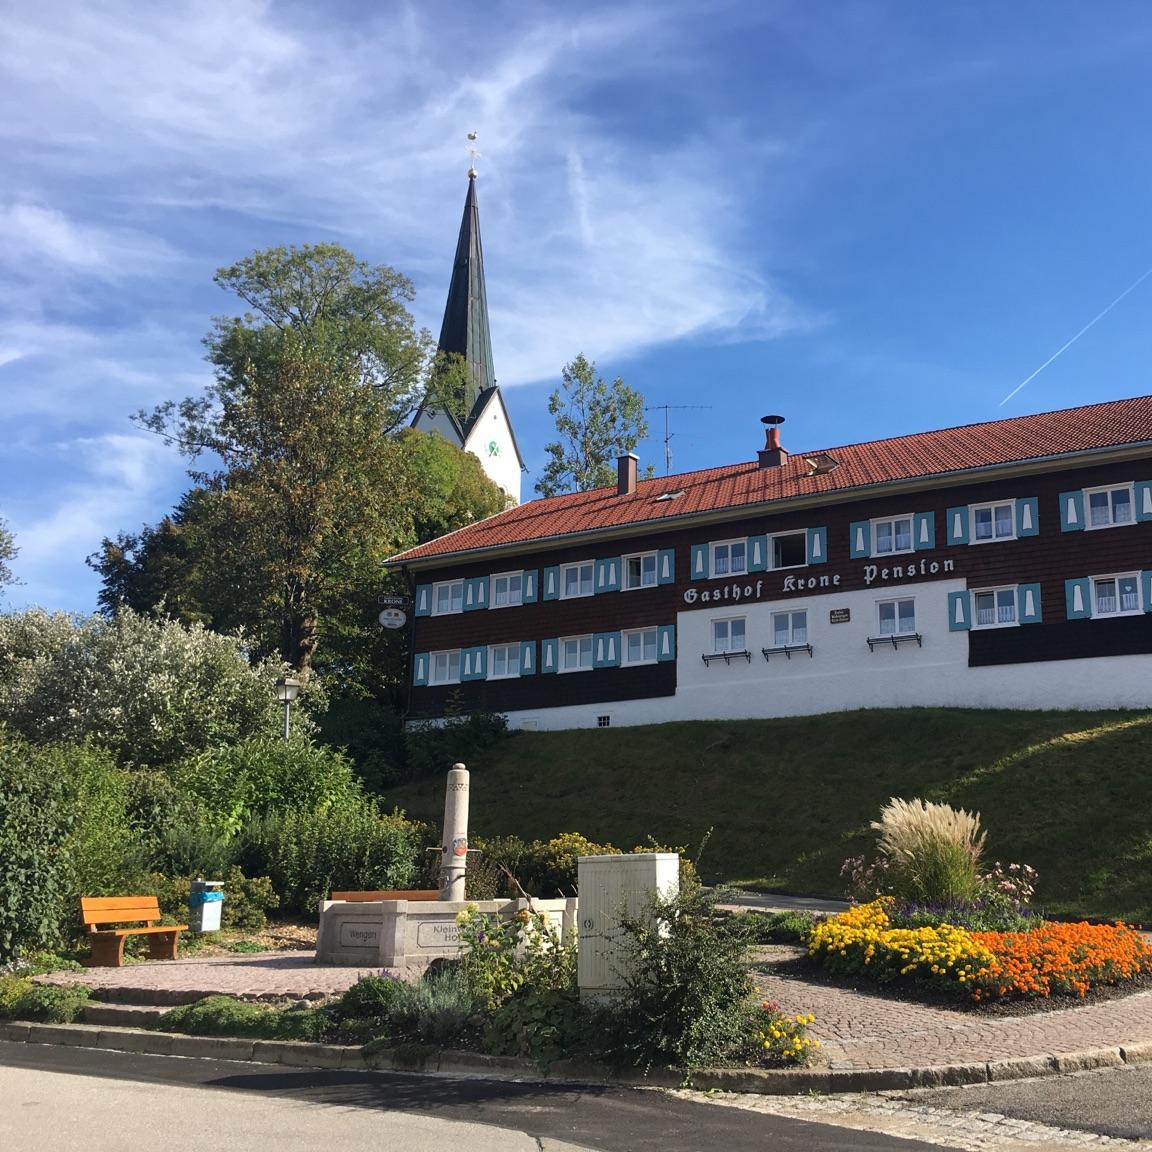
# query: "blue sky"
[[875, 218]]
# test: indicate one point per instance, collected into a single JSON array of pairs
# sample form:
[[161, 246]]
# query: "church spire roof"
[[465, 330]]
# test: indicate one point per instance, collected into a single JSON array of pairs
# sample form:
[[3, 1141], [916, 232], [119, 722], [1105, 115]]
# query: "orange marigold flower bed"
[[1068, 958]]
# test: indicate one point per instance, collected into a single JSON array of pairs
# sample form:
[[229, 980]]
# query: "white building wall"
[[842, 673]]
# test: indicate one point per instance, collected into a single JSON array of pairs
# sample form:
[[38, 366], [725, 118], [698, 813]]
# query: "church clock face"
[[493, 448]]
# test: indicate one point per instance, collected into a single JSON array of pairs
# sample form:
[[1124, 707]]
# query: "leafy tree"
[[8, 551], [150, 691], [596, 422], [313, 488]]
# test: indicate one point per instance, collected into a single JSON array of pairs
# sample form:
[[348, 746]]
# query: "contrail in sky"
[[1060, 351]]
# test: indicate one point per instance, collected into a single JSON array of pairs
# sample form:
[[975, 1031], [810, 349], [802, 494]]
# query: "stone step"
[[123, 1015]]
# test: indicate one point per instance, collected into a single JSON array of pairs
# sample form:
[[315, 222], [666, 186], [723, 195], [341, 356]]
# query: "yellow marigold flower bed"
[[862, 940]]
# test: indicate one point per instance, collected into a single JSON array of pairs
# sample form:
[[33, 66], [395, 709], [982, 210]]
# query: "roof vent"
[[772, 455], [669, 496], [820, 464]]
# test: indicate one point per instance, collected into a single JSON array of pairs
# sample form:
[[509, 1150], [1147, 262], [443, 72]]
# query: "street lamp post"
[[287, 689]]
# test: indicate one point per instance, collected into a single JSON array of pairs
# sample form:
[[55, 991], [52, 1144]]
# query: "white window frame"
[[994, 592], [624, 660], [566, 568], [993, 539], [449, 653], [791, 641], [742, 541], [492, 593], [1117, 576], [716, 649], [436, 597], [508, 648], [802, 533], [1109, 488], [875, 525], [897, 600], [641, 556], [562, 653]]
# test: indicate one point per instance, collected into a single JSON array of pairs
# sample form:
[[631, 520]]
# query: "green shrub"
[[778, 927], [463, 738], [36, 818], [308, 854], [540, 1024], [247, 900], [21, 999], [437, 1010], [14, 990], [370, 998], [226, 1016], [371, 735]]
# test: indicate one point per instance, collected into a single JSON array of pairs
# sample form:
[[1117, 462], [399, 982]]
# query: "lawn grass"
[[787, 800]]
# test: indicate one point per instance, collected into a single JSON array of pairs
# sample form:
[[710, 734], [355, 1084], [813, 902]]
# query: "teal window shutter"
[[860, 540], [817, 545], [527, 657], [1072, 511], [420, 669], [956, 520], [423, 599], [607, 575], [530, 587], [606, 650], [1146, 586], [666, 566], [1028, 604], [552, 585], [924, 531], [757, 553], [666, 641], [959, 611], [1144, 499], [549, 656], [476, 594], [1028, 516], [473, 663], [1078, 597], [700, 562]]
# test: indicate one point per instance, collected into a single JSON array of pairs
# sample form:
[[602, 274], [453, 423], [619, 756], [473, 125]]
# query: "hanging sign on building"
[[393, 618]]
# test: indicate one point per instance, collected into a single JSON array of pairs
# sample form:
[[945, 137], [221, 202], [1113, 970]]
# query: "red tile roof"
[[735, 486]]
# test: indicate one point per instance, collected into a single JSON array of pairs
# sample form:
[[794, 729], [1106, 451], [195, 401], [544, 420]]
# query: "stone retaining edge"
[[762, 1081]]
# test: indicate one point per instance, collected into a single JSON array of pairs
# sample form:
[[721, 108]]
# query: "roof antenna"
[[666, 408]]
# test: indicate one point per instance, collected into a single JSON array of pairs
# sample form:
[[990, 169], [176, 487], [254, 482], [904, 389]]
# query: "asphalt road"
[[225, 1104]]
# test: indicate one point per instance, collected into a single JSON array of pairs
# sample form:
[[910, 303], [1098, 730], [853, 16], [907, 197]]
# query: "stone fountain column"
[[454, 853]]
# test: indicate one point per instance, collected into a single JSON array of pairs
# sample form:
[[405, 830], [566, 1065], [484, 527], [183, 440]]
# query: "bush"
[[20, 999], [308, 854], [437, 1010], [247, 900], [225, 1016], [778, 927], [540, 1024], [432, 748], [36, 818]]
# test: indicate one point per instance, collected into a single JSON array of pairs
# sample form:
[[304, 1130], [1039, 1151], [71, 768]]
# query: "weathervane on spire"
[[473, 153]]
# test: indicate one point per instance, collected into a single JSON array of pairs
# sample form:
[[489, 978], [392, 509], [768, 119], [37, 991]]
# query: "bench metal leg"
[[107, 951], [163, 945]]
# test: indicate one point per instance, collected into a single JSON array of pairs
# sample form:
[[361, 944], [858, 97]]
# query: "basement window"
[[603, 721]]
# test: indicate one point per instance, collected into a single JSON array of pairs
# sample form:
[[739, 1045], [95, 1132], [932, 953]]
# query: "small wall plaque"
[[839, 615]]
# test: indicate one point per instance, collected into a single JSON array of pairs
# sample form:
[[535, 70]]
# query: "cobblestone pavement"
[[880, 1112]]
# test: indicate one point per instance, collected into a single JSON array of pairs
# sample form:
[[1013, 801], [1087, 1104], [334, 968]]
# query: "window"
[[640, 646], [576, 580], [503, 661], [1108, 507], [445, 667], [507, 590], [575, 653], [1115, 595], [892, 535], [640, 571], [897, 617], [448, 598], [789, 628], [790, 550], [994, 608], [728, 635], [993, 522], [730, 558], [603, 721]]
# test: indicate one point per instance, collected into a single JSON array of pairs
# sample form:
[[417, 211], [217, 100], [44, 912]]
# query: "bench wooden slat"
[[139, 931], [139, 911], [112, 909], [393, 894]]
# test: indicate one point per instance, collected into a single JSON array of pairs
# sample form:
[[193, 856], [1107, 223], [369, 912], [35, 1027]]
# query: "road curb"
[[412, 1059]]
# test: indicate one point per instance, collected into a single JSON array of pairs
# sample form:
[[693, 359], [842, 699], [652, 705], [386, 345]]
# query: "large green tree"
[[306, 478], [8, 551], [596, 422]]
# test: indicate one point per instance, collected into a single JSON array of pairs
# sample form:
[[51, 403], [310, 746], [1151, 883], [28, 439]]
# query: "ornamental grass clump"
[[932, 851]]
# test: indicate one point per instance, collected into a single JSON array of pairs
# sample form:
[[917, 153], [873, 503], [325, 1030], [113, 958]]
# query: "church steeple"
[[465, 331]]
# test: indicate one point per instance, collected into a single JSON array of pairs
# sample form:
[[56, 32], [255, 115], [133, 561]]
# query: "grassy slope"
[[1068, 792]]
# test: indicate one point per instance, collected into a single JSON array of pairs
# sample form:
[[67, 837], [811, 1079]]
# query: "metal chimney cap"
[[772, 420]]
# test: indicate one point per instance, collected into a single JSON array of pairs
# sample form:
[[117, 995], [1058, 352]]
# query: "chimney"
[[772, 455], [626, 474]]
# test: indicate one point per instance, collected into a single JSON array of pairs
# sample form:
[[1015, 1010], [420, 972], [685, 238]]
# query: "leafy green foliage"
[[437, 1010], [21, 999], [226, 1016], [8, 553], [36, 818], [247, 900], [596, 422], [778, 927], [462, 738], [540, 1024], [150, 691]]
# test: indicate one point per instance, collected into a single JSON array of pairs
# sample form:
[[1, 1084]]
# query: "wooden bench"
[[399, 894], [108, 943]]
